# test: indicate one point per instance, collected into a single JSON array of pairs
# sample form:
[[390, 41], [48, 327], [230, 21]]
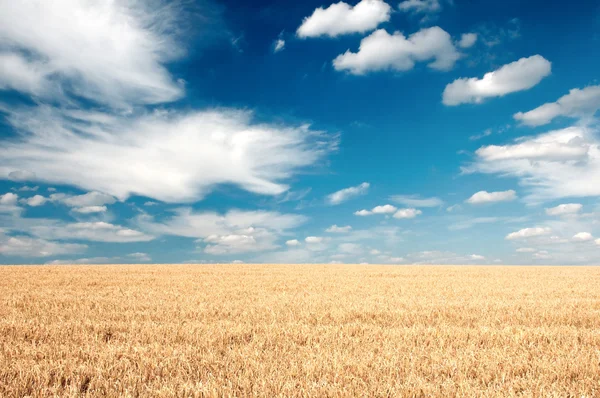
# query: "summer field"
[[320, 330]]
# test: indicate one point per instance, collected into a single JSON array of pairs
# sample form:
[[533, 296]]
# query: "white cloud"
[[529, 233], [28, 189], [112, 52], [362, 213], [385, 209], [85, 200], [21, 175], [471, 222], [417, 201], [350, 248], [293, 242], [567, 144], [554, 165], [437, 257], [597, 241], [420, 6], [93, 231], [25, 246], [542, 255], [339, 230], [313, 239], [231, 244], [477, 257], [342, 18], [188, 223], [279, 45], [578, 103], [233, 232], [453, 208], [407, 213], [17, 73], [381, 51], [348, 193], [562, 209], [143, 257], [482, 197], [91, 260], [9, 199], [526, 250], [467, 40], [516, 76], [8, 203], [486, 133], [90, 209], [168, 156], [35, 201], [582, 237]]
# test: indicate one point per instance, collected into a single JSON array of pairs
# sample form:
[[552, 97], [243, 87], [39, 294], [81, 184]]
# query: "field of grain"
[[318, 330]]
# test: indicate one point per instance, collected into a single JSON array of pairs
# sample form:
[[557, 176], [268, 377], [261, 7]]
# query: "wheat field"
[[303, 330]]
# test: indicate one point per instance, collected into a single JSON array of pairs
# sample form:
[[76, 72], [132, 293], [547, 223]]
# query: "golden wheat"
[[321, 330]]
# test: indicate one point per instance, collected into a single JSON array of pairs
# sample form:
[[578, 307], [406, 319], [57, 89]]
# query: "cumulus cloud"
[[348, 193], [420, 6], [564, 209], [138, 256], [28, 189], [168, 156], [233, 232], [34, 201], [578, 103], [111, 52], [362, 213], [350, 248], [582, 237], [381, 51], [338, 230], [407, 213], [21, 175], [342, 18], [90, 209], [293, 242], [467, 40], [8, 203], [230, 244], [385, 209], [567, 144], [516, 76], [85, 200], [26, 246], [417, 201], [90, 231], [553, 165], [476, 257], [542, 255], [313, 239], [526, 250], [482, 197], [529, 233], [90, 260]]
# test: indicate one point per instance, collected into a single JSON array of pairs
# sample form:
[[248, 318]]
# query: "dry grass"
[[320, 331]]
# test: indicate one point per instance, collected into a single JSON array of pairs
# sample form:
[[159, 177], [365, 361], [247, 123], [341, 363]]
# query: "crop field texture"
[[304, 330]]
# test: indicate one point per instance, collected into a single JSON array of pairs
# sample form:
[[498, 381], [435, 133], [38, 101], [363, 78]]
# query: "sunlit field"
[[318, 330]]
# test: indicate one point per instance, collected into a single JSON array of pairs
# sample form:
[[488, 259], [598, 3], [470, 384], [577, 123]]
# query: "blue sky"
[[422, 131]]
